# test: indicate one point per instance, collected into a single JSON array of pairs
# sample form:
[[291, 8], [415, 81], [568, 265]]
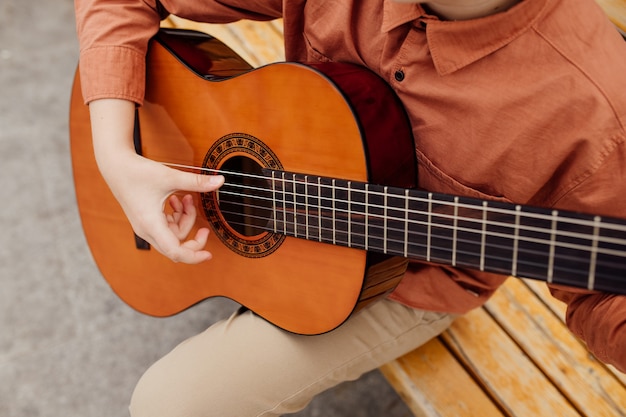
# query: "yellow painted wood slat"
[[557, 307], [541, 291], [616, 11], [505, 371], [433, 384], [565, 361]]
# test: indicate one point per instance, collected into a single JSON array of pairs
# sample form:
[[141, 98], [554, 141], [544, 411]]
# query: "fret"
[[385, 221], [555, 215], [406, 224], [395, 220], [295, 205], [274, 199], [349, 215], [343, 205], [455, 230], [359, 215], [531, 237], [611, 256], [430, 225], [443, 229], [284, 199], [334, 211], [306, 207], [367, 215], [413, 229], [326, 211], [594, 252], [319, 210], [499, 246], [468, 222], [313, 208], [516, 241], [483, 236], [573, 244]]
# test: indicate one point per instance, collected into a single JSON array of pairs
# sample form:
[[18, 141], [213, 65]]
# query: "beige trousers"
[[244, 366]]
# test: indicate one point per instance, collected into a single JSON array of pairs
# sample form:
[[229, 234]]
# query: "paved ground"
[[68, 347]]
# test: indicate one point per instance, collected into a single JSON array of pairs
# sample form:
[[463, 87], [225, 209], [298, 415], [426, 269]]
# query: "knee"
[[172, 387], [155, 395]]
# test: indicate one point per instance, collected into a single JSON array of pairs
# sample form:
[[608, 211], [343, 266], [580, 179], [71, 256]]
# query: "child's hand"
[[143, 186]]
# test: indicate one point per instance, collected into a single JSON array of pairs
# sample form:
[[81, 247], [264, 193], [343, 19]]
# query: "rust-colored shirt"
[[525, 106]]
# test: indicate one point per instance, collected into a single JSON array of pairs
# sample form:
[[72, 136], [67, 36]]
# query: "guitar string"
[[441, 216], [440, 236], [569, 270], [414, 248], [491, 210], [579, 247], [514, 227], [485, 257], [489, 257]]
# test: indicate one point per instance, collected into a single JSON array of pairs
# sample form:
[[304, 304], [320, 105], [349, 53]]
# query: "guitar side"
[[309, 124]]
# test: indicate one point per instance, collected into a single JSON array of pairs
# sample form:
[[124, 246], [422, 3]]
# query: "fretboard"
[[558, 247]]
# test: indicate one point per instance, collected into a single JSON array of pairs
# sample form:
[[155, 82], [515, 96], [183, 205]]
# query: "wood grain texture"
[[616, 11], [434, 384], [203, 103]]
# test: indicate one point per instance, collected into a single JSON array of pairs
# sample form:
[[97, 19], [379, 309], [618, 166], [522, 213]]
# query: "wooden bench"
[[514, 356], [616, 11]]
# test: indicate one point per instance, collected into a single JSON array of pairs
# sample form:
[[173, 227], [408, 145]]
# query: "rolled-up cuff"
[[122, 77]]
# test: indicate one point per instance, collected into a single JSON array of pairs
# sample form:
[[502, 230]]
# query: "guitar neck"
[[559, 247]]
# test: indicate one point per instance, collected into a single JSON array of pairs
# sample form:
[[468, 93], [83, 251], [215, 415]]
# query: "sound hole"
[[245, 199]]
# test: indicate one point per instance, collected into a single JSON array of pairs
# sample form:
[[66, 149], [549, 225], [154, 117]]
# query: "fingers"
[[183, 217], [189, 251], [171, 240], [166, 230], [195, 182]]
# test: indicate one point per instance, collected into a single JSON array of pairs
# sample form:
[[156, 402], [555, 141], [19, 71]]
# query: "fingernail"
[[217, 179]]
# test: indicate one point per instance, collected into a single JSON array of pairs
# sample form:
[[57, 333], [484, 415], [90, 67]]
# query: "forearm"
[[112, 125]]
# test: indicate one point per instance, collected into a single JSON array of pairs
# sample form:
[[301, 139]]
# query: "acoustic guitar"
[[320, 209]]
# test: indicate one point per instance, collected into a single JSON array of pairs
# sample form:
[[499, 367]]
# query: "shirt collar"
[[396, 14], [456, 44]]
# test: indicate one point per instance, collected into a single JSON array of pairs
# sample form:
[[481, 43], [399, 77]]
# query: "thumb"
[[187, 181]]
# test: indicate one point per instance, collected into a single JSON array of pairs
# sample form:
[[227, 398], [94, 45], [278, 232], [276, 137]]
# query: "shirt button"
[[399, 75]]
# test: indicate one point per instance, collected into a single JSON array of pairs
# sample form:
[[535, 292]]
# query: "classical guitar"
[[320, 210]]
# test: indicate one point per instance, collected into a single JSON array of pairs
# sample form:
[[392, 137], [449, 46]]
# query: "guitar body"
[[205, 107]]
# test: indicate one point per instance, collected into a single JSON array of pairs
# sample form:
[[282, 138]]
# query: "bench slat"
[[542, 292], [555, 351], [433, 384], [616, 11], [503, 369]]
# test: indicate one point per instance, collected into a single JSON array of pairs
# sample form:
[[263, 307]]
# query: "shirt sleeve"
[[599, 319], [114, 37]]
